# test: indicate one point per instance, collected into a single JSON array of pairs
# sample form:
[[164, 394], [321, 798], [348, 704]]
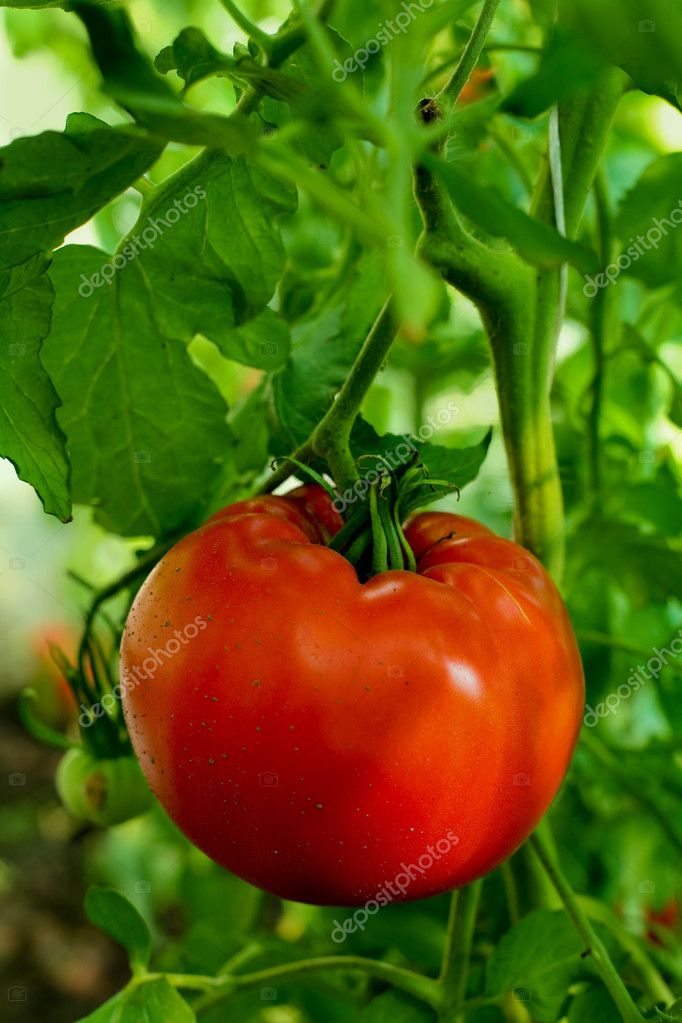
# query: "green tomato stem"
[[379, 540], [218, 989], [472, 52], [245, 23], [600, 957], [602, 311], [331, 438], [27, 700], [454, 972], [651, 977]]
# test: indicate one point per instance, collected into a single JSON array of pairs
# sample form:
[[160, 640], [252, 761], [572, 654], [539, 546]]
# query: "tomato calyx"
[[372, 538]]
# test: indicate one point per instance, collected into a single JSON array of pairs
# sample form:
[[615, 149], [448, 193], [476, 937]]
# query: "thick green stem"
[[601, 314], [521, 311], [600, 957], [504, 290], [454, 972]]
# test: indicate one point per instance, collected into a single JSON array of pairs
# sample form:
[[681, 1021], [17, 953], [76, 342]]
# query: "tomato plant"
[[340, 344]]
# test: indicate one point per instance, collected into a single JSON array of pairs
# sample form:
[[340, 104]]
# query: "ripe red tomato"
[[323, 738]]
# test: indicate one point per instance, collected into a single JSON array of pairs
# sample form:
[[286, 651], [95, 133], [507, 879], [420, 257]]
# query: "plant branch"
[[651, 977], [247, 25], [455, 967], [472, 51], [600, 957], [331, 438], [421, 987], [601, 312]]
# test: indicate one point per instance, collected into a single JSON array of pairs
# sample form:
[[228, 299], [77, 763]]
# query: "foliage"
[[153, 374]]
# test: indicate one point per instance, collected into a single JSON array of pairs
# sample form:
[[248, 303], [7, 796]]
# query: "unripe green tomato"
[[104, 792]]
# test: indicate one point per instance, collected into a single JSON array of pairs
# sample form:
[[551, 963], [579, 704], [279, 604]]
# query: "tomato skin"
[[321, 735], [104, 792]]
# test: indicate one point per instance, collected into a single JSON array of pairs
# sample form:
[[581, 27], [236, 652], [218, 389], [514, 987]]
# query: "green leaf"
[[146, 429], [251, 434], [29, 434], [195, 58], [324, 346], [129, 78], [315, 100], [536, 242], [112, 912], [395, 1007], [52, 183], [652, 241], [152, 1002], [594, 1004], [214, 265], [458, 466], [537, 960], [263, 342], [643, 37], [566, 67]]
